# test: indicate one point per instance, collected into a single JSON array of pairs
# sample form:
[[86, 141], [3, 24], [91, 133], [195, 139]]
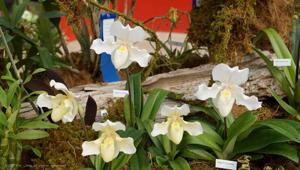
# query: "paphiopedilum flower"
[[64, 107], [226, 90], [109, 144], [175, 126], [123, 52]]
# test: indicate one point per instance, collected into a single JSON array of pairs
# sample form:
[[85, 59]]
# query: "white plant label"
[[106, 29], [225, 164], [120, 93], [282, 62]]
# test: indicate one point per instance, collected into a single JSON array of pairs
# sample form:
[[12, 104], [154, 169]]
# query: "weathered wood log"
[[183, 81]]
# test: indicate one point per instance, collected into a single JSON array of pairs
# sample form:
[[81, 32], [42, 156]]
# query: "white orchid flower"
[[65, 107], [123, 52], [175, 126], [109, 144], [226, 90]]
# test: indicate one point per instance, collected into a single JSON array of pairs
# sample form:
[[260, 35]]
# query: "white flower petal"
[[126, 145], [168, 110], [251, 102], [100, 46], [160, 129], [126, 33], [58, 86], [141, 56], [108, 149], [227, 75], [91, 148], [116, 125], [44, 100], [68, 117], [224, 104], [120, 57], [65, 108], [205, 92], [193, 128], [175, 132]]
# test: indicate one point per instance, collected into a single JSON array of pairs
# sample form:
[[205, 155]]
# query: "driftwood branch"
[[183, 81]]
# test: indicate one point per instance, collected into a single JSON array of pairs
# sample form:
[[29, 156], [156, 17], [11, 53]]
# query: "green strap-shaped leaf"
[[140, 160], [196, 153], [282, 51], [152, 105], [259, 139], [283, 128], [180, 164], [30, 135], [288, 108], [278, 75], [241, 124], [120, 161], [38, 124], [282, 149]]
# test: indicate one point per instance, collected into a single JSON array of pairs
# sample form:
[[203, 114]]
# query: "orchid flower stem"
[[15, 69], [130, 93], [173, 150], [84, 127], [225, 127]]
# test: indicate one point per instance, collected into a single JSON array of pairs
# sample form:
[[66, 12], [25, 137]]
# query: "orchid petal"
[[160, 129], [223, 104], [126, 33], [100, 46], [126, 145], [44, 100], [182, 110], [108, 148], [175, 132], [193, 128], [116, 125], [251, 103], [205, 92], [227, 75], [120, 57], [142, 57], [58, 86], [91, 148], [61, 110]]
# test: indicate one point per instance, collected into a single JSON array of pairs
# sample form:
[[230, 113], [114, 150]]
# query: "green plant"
[[14, 128], [246, 136], [30, 41], [286, 77]]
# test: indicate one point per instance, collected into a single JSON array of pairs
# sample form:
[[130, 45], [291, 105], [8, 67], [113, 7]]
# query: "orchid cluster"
[[224, 93]]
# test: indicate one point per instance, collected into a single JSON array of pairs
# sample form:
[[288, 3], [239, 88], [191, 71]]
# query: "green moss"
[[228, 27], [62, 149]]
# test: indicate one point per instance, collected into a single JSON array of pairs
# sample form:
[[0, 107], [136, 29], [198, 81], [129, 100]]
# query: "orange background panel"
[[146, 9]]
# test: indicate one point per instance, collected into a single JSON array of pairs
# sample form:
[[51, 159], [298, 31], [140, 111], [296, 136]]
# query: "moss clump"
[[62, 149], [228, 27], [116, 111]]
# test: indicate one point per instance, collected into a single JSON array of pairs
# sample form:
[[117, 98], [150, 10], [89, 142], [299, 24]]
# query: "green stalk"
[[15, 69], [132, 115]]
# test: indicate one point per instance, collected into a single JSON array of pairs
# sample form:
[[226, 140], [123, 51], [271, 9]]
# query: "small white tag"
[[106, 29], [225, 164], [282, 62], [120, 93]]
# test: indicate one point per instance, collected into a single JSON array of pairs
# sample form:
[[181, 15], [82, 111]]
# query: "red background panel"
[[146, 9]]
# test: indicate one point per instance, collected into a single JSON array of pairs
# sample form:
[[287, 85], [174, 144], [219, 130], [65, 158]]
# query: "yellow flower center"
[[226, 93], [108, 141], [123, 49]]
